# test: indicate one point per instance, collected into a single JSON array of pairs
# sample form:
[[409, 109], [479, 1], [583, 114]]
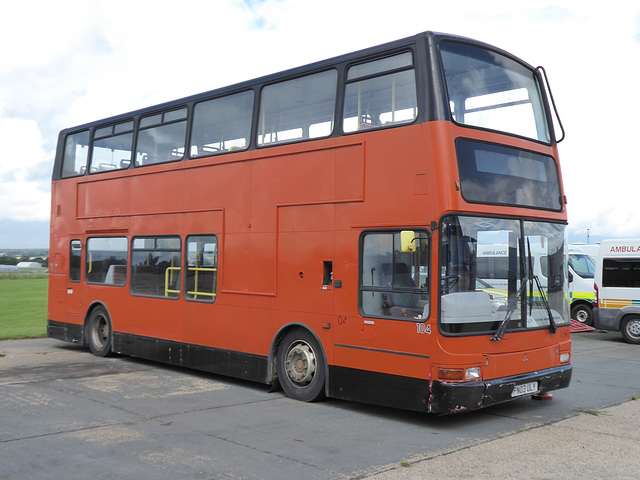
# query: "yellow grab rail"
[[169, 273], [195, 293]]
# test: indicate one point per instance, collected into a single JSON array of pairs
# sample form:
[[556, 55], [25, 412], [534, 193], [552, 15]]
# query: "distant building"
[[29, 265], [8, 268], [591, 250]]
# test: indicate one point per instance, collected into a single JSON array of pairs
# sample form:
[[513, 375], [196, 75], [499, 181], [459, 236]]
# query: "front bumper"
[[452, 397]]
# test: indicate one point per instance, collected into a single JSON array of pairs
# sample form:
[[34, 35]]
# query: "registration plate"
[[524, 389]]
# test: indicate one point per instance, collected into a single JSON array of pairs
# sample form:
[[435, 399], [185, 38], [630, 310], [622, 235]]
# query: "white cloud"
[[74, 61], [23, 195]]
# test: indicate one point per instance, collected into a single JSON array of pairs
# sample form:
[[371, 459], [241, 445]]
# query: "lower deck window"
[[106, 260], [156, 266], [75, 259], [202, 268]]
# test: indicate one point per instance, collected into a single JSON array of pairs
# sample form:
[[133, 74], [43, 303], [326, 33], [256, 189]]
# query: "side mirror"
[[408, 240]]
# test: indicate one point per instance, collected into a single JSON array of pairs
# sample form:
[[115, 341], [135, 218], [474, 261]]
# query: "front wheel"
[[100, 332], [630, 329], [300, 366], [583, 314]]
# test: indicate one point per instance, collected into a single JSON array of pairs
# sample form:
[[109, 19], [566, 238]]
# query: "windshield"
[[582, 264], [489, 90], [492, 269]]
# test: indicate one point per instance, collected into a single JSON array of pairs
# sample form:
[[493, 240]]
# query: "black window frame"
[[162, 123], [145, 283], [379, 74], [192, 294], [415, 309], [620, 273], [67, 156], [250, 95], [474, 180], [115, 273], [121, 129], [261, 130], [75, 261]]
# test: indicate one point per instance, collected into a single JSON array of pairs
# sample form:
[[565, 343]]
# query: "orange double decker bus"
[[318, 229]]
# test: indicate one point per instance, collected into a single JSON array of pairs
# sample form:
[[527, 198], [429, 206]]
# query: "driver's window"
[[393, 282]]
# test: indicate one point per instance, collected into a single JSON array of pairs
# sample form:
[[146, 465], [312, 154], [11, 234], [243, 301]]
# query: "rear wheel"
[[99, 332], [300, 366], [630, 329]]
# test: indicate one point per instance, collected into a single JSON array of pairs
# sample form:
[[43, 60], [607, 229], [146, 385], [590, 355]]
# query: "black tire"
[[582, 313], [300, 366], [100, 332], [630, 329]]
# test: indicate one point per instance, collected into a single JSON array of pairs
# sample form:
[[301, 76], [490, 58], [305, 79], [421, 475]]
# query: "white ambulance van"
[[494, 259], [582, 295], [617, 284]]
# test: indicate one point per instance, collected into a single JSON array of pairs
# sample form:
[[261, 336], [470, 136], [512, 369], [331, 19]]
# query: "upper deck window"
[[162, 137], [381, 93], [76, 153], [222, 124], [298, 109], [488, 90], [112, 146]]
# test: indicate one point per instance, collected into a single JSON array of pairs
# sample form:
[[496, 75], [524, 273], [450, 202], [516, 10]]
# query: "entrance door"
[[74, 292]]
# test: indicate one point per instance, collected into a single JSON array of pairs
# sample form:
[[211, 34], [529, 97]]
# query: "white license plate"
[[524, 389]]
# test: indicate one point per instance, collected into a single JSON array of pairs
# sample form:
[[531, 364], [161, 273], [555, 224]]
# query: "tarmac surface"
[[596, 444], [66, 413], [593, 445]]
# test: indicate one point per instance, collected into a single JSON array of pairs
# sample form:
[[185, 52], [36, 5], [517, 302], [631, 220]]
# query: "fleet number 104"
[[423, 328]]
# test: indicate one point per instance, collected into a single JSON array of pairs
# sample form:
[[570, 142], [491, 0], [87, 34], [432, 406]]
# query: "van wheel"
[[100, 332], [630, 329], [300, 366], [583, 314]]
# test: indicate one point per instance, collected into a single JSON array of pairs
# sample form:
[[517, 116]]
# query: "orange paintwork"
[[278, 213]]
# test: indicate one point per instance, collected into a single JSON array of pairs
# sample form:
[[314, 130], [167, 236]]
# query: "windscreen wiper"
[[534, 278], [553, 328], [502, 328]]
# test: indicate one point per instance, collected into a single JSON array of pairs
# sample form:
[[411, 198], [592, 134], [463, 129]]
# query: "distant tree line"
[[24, 253], [7, 260]]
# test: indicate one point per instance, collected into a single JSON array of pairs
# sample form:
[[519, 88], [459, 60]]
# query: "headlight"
[[472, 373], [565, 357]]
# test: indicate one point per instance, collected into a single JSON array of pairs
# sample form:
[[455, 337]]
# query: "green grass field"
[[23, 305]]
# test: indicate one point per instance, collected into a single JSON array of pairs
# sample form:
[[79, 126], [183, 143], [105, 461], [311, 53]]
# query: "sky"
[[64, 63]]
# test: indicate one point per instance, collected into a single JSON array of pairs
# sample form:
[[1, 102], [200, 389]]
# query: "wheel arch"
[[272, 377], [625, 312], [582, 301]]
